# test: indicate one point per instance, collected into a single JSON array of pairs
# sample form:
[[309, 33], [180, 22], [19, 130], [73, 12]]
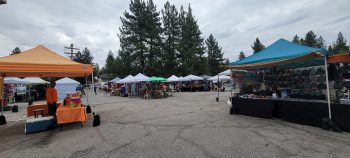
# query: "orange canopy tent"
[[42, 62], [342, 58]]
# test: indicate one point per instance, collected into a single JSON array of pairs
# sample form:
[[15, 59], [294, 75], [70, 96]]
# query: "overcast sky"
[[235, 23]]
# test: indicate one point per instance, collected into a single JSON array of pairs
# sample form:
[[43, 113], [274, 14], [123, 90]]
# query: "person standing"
[[95, 89], [51, 98]]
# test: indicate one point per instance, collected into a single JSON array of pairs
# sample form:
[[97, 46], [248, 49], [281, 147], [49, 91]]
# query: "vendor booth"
[[64, 86], [290, 81], [173, 78], [36, 88], [42, 62], [115, 80]]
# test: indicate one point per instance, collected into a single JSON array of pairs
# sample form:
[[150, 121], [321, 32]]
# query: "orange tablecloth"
[[70, 114], [33, 107]]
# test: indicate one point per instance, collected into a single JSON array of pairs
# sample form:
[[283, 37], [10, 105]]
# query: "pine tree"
[[296, 39], [87, 56], [96, 71], [192, 48], [215, 55], [340, 46], [15, 51], [310, 39], [84, 57], [109, 67], [226, 61], [320, 43], [184, 65], [171, 32], [153, 40], [133, 35], [257, 46], [241, 55]]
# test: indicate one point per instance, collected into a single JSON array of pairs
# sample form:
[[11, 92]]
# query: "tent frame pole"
[[2, 96], [87, 91], [218, 88], [93, 87], [328, 93]]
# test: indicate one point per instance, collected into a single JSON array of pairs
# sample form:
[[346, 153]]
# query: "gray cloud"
[[235, 23]]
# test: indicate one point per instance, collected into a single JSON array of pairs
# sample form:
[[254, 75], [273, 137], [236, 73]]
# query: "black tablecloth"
[[300, 112], [254, 107]]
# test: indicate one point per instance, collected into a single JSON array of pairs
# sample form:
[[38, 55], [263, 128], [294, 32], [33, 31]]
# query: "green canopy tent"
[[157, 79]]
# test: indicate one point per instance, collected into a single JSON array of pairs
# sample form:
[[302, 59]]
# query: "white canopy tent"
[[220, 78], [35, 80], [14, 80], [140, 78], [127, 79], [193, 78], [115, 80], [173, 78], [182, 79], [206, 77], [230, 71], [64, 86]]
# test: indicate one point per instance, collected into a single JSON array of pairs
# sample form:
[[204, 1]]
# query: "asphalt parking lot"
[[185, 125]]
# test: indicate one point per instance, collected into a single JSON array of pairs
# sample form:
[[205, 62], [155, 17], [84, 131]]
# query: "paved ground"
[[186, 125]]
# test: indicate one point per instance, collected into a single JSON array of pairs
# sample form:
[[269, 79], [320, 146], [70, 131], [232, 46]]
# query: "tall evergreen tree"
[[153, 39], [133, 34], [109, 67], [171, 32], [84, 57], [296, 39], [320, 43], [15, 51], [226, 61], [140, 36], [192, 48], [184, 65], [215, 55], [340, 45], [96, 72], [310, 39], [257, 46], [241, 55]]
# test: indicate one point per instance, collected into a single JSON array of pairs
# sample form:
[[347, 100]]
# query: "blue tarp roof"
[[280, 50]]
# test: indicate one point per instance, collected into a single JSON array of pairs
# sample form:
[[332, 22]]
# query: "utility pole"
[[71, 53]]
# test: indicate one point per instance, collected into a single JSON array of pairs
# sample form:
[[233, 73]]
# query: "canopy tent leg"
[[217, 99], [93, 87], [2, 95], [2, 116], [87, 92], [328, 93]]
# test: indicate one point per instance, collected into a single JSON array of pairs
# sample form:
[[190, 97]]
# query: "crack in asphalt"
[[129, 143]]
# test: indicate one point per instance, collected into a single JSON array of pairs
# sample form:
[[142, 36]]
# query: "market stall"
[[36, 88], [115, 80], [64, 86], [191, 83], [41, 62], [291, 83]]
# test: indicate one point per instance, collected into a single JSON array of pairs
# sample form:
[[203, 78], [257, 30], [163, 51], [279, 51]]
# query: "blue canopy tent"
[[283, 52]]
